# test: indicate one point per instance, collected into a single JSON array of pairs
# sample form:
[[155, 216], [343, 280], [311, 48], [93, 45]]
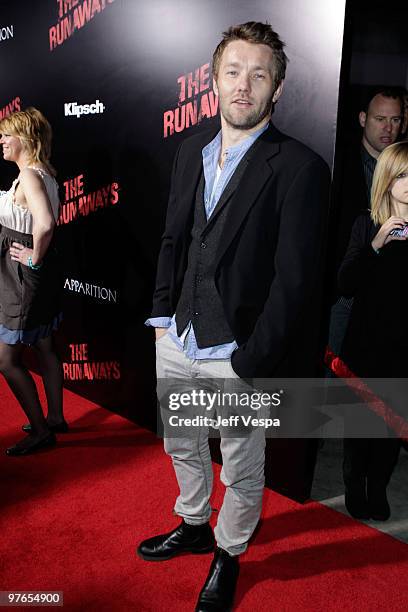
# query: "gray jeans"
[[243, 458]]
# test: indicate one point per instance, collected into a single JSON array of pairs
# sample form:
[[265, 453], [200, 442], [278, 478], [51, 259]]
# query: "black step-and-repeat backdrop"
[[122, 83]]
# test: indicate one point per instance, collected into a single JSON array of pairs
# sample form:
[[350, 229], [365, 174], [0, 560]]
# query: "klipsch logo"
[[6, 33], [72, 16], [73, 109]]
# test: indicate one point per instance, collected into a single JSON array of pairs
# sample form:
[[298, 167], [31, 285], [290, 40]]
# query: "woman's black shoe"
[[31, 445], [58, 428], [378, 505], [355, 501]]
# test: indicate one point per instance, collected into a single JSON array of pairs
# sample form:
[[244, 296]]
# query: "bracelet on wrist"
[[33, 266]]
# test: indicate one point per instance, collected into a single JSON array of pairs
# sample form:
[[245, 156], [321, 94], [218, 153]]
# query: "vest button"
[[196, 314], [203, 245]]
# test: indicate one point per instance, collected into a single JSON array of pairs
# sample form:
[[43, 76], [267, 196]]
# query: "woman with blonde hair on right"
[[376, 342]]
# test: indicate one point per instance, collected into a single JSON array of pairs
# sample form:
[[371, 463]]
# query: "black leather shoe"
[[217, 594], [196, 539], [31, 445], [355, 500], [378, 505], [58, 428]]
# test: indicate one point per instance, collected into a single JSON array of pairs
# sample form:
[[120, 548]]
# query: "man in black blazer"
[[237, 280], [380, 118]]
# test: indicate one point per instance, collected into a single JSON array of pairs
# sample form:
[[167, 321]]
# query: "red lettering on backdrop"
[[209, 105], [82, 14], [193, 84], [204, 77], [80, 368], [77, 203], [182, 82], [74, 187], [73, 15], [168, 123], [96, 7], [193, 104], [79, 352], [11, 107]]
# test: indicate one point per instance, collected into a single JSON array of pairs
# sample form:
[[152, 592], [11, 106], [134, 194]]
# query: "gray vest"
[[199, 300]]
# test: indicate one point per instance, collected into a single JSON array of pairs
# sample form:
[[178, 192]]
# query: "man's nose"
[[244, 82], [388, 126]]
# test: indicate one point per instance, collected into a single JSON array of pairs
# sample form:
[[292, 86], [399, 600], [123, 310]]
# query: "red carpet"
[[71, 518]]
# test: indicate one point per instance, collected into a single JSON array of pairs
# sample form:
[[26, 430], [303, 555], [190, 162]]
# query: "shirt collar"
[[233, 151], [246, 143], [367, 158]]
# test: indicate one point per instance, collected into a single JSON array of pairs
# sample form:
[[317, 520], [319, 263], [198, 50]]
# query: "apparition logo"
[[89, 289], [6, 33]]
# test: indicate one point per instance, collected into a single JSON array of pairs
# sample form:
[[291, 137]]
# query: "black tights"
[[22, 384]]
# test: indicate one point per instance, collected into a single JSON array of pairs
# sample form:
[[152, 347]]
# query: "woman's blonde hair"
[[390, 163], [34, 132]]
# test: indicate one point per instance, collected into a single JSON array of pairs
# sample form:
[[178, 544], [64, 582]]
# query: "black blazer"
[[376, 340], [269, 259], [350, 198]]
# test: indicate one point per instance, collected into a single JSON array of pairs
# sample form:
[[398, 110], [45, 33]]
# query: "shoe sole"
[[28, 430], [380, 518], [32, 451], [359, 517], [205, 551]]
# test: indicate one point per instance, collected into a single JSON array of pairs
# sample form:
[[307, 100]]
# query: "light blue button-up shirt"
[[216, 180]]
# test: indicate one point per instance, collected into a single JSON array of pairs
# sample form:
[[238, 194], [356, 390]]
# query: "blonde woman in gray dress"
[[30, 279]]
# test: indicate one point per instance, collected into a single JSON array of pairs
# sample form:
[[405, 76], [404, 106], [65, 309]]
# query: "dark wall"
[[379, 42], [135, 57]]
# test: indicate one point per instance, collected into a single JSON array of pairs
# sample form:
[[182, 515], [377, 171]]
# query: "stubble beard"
[[251, 120]]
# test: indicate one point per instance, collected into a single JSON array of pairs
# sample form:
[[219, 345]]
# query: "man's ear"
[[278, 92], [362, 118], [215, 86]]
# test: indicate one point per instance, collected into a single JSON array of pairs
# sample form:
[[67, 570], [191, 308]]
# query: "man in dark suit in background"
[[237, 281], [381, 120]]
